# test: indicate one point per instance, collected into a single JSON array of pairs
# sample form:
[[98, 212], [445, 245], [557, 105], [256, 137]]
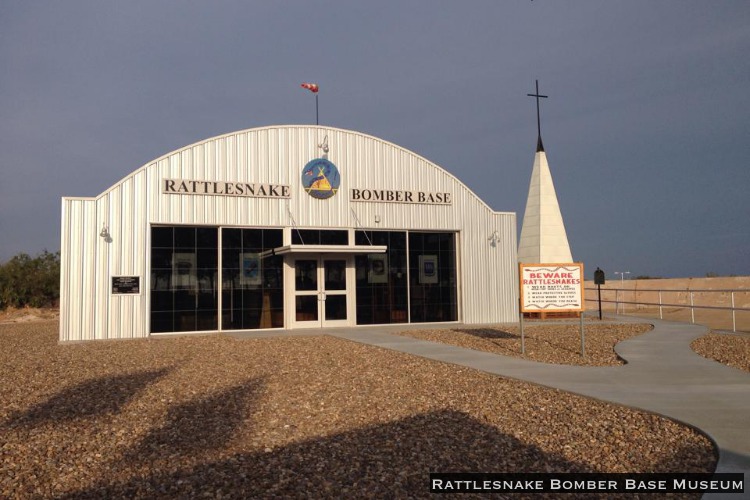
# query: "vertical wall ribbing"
[[271, 155]]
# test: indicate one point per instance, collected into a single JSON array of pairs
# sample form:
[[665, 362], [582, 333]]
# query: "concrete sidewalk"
[[662, 375]]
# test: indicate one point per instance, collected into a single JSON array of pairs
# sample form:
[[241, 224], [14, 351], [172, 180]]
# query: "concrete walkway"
[[662, 375]]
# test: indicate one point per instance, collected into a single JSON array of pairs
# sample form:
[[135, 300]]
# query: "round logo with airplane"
[[320, 178]]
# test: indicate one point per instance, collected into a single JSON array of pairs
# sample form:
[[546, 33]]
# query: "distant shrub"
[[26, 281]]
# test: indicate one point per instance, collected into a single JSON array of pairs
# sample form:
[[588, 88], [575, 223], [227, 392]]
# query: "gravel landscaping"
[[294, 417], [726, 348], [559, 344]]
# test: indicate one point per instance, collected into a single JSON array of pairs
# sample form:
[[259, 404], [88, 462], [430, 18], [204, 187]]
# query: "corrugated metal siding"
[[488, 275]]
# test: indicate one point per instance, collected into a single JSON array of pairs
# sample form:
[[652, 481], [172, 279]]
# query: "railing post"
[[692, 311], [734, 319], [617, 301], [661, 316]]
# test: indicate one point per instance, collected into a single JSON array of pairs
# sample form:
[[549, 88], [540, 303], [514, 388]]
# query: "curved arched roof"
[[316, 128]]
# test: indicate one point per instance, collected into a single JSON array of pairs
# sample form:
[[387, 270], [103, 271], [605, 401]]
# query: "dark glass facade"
[[432, 277], [382, 285], [384, 289], [184, 279], [413, 281], [252, 279], [320, 237]]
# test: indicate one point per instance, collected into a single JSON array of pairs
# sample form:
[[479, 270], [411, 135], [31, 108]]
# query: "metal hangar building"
[[283, 227]]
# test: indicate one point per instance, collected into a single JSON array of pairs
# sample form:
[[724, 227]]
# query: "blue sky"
[[647, 125]]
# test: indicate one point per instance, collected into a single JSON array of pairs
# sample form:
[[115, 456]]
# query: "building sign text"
[[126, 284], [222, 188], [551, 287], [396, 196]]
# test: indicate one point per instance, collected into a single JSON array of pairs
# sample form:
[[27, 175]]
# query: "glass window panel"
[[161, 237], [433, 277], [231, 238], [161, 301], [360, 237], [381, 279], [207, 259], [381, 238], [416, 241], [334, 237], [185, 321], [306, 307], [364, 315], [305, 237], [277, 318], [161, 258], [230, 260], [306, 275], [206, 237], [252, 240], [320, 237], [272, 238], [184, 300], [184, 237], [335, 307], [184, 280], [335, 274], [253, 285], [207, 319], [161, 322]]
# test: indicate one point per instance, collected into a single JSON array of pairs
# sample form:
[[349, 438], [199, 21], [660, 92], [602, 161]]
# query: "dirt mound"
[[28, 315]]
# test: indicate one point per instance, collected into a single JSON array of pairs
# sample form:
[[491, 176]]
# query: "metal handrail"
[[692, 306]]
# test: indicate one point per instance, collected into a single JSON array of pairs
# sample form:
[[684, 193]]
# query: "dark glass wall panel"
[[432, 271], [320, 237], [381, 279], [184, 279], [253, 288]]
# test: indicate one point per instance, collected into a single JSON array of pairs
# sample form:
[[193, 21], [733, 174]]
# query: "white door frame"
[[316, 290]]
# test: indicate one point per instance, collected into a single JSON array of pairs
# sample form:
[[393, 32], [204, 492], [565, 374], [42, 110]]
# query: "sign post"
[[520, 312], [552, 288], [599, 281]]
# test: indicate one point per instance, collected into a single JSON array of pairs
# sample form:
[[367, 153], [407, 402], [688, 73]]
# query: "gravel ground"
[[296, 417], [726, 348], [559, 344]]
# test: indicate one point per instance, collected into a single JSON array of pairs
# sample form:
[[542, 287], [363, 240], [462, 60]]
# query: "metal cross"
[[538, 121]]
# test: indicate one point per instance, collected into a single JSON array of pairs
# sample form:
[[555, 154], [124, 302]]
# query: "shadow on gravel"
[[491, 334], [487, 333], [383, 461], [197, 426], [391, 460], [89, 399]]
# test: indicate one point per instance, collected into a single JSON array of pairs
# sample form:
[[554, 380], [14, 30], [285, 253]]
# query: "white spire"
[[543, 238]]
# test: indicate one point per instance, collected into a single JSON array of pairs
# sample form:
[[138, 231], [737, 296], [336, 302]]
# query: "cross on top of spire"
[[539, 145]]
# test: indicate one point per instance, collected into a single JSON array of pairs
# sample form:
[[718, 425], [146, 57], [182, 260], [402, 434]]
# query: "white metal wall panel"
[[488, 275]]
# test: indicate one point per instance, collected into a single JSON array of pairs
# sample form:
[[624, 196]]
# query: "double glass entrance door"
[[321, 286]]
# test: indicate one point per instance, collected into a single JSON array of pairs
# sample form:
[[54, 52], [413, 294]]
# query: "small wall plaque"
[[126, 284]]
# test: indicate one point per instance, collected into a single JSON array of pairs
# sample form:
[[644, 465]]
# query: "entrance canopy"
[[340, 249]]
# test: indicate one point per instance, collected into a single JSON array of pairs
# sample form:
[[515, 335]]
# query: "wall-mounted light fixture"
[[377, 219], [104, 232], [493, 239]]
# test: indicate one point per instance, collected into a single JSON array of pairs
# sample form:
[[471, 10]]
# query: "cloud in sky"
[[646, 127]]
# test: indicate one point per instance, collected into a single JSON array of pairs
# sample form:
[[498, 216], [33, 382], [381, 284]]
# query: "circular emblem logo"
[[320, 178]]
